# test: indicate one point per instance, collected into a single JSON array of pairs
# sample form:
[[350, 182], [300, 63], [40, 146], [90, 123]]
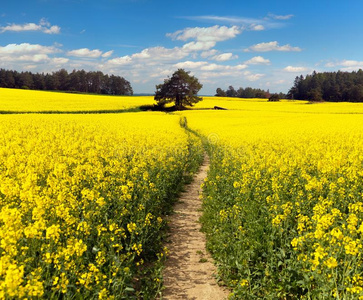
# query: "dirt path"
[[189, 270]]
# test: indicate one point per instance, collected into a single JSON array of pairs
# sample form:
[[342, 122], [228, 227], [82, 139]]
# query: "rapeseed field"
[[83, 197], [14, 100], [283, 206]]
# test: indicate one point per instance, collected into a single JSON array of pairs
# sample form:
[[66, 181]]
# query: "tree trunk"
[[177, 101]]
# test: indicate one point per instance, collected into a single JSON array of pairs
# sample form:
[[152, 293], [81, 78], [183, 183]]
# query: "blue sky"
[[262, 43]]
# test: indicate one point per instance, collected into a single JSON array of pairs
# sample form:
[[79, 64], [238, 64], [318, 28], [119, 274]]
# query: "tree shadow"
[[173, 108], [156, 107]]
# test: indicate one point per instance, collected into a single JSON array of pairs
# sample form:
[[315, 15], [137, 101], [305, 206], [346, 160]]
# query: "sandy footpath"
[[189, 270]]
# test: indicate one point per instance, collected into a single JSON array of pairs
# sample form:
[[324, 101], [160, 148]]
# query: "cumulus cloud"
[[292, 69], [346, 65], [85, 52], [107, 54], [215, 33], [34, 58], [217, 67], [258, 27], [26, 48], [120, 61], [351, 63], [252, 77], [224, 57], [204, 38], [208, 53], [43, 26], [258, 60], [151, 56], [161, 53], [271, 46], [60, 60], [190, 64], [198, 46]]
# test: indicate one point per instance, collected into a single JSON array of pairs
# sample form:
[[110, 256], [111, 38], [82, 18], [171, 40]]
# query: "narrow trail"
[[189, 270]]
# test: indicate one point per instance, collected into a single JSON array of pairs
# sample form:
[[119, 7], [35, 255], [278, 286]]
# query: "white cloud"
[[190, 64], [280, 17], [52, 30], [208, 53], [219, 73], [198, 46], [26, 48], [206, 34], [204, 38], [252, 77], [271, 46], [224, 57], [60, 60], [160, 54], [240, 67], [258, 60], [120, 61], [241, 21], [346, 65], [43, 26], [351, 63], [85, 52], [35, 58], [212, 67], [150, 56], [27, 56], [255, 27], [292, 69], [215, 67], [107, 54]]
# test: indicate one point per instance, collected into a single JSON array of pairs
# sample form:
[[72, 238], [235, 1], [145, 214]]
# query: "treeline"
[[76, 81], [329, 86], [247, 92]]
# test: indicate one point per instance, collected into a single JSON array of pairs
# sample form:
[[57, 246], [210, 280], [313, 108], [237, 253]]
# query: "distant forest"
[[76, 81], [329, 86], [247, 92]]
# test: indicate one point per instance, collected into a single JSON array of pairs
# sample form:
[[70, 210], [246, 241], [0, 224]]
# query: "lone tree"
[[274, 98], [181, 88]]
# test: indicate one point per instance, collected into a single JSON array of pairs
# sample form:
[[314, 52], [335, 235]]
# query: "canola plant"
[[83, 198], [283, 202], [82, 202]]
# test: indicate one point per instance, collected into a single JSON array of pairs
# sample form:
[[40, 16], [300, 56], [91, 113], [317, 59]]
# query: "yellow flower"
[[244, 282], [131, 227], [53, 232], [331, 262]]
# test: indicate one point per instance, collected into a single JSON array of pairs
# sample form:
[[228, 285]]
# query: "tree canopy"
[[181, 88], [274, 98], [76, 81], [329, 86]]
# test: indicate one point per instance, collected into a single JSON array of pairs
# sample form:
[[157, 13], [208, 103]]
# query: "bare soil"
[[189, 270]]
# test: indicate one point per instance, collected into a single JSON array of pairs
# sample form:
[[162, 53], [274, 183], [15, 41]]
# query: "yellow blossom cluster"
[[82, 199], [296, 177], [15, 100]]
